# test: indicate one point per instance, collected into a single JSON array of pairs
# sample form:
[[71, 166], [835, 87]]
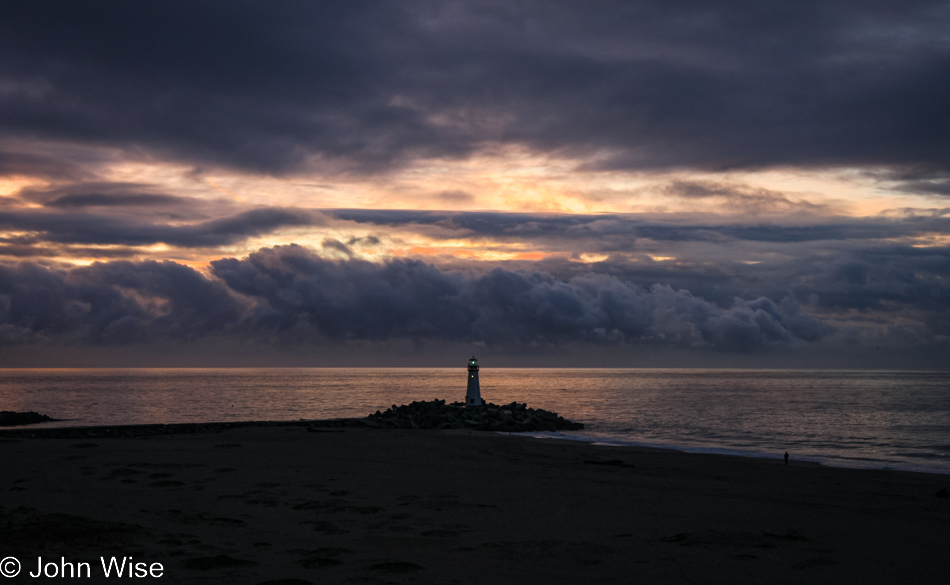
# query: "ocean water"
[[878, 419]]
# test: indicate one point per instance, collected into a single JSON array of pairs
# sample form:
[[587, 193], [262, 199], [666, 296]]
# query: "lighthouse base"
[[473, 392]]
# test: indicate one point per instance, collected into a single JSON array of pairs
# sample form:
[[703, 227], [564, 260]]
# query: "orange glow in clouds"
[[503, 179]]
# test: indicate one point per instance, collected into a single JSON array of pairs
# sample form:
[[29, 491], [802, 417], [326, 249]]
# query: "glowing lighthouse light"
[[473, 396]]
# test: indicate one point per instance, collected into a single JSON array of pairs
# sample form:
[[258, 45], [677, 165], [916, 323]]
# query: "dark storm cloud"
[[242, 84], [288, 295], [738, 198], [613, 229], [928, 187], [842, 265], [916, 181], [72, 219], [29, 248], [411, 299], [338, 246], [881, 278], [79, 194], [39, 165], [370, 84], [114, 303], [74, 228], [107, 200]]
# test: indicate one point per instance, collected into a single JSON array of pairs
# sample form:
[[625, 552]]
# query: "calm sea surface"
[[897, 420]]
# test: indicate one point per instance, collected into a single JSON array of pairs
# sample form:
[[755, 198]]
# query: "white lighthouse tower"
[[473, 395]]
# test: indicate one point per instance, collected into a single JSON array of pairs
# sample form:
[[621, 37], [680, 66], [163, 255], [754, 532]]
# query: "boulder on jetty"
[[436, 414], [9, 418]]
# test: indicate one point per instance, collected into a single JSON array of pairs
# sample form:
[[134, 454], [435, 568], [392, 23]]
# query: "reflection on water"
[[876, 419]]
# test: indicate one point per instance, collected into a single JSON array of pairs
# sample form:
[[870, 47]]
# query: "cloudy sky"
[[606, 183]]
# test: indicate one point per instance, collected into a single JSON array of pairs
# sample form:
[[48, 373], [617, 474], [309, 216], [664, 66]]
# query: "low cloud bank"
[[291, 294]]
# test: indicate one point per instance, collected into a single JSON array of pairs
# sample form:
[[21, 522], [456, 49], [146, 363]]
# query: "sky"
[[541, 183]]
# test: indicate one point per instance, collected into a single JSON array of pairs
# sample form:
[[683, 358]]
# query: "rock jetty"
[[9, 418], [436, 414], [514, 418]]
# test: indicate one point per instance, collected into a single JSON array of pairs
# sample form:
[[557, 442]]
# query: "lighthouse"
[[473, 395]]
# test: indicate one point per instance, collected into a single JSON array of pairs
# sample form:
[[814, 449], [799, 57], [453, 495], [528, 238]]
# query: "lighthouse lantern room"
[[473, 395]]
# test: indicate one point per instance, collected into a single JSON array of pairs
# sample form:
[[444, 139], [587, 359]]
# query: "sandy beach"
[[286, 505]]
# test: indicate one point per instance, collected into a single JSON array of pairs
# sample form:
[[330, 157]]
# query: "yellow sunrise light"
[[588, 258]]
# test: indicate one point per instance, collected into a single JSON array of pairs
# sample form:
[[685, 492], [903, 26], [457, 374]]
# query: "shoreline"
[[601, 441], [350, 504], [151, 430]]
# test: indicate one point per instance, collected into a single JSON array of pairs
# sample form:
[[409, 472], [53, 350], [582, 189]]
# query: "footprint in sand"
[[121, 472], [215, 562], [440, 533], [326, 527], [319, 562], [814, 563], [204, 519], [167, 483], [396, 567], [336, 507]]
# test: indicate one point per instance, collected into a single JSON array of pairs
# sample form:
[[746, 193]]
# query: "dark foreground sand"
[[256, 505]]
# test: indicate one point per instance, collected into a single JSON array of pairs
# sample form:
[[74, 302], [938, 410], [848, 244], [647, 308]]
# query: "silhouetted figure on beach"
[[786, 458]]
